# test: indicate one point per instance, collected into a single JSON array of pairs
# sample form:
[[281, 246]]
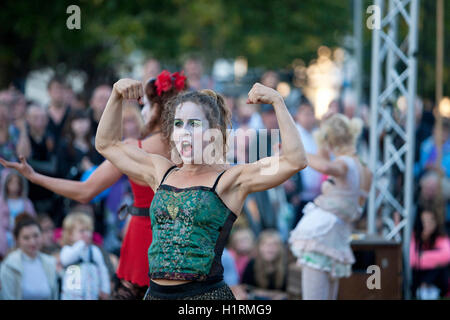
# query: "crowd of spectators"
[[58, 140]]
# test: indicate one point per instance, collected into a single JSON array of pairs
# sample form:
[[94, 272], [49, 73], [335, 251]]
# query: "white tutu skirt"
[[321, 240]]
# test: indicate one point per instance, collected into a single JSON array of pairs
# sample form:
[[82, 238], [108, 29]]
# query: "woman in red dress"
[[133, 264]]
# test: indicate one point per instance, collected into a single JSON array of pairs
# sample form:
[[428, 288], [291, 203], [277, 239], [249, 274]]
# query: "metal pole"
[[374, 93], [439, 50], [391, 57], [410, 127], [388, 141]]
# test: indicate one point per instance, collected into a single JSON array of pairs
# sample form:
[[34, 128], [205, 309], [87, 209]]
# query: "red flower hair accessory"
[[164, 80], [179, 80]]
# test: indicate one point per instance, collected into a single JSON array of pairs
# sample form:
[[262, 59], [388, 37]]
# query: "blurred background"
[[236, 40], [317, 54]]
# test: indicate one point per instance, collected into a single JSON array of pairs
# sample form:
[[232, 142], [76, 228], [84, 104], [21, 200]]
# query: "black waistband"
[[140, 212], [184, 290], [134, 211]]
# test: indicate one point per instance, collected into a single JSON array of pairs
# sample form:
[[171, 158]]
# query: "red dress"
[[133, 263]]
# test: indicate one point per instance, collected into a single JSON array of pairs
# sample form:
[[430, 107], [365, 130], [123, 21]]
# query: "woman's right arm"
[[129, 159], [102, 178]]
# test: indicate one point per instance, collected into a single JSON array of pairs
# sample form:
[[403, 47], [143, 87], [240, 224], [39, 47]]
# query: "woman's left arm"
[[271, 171]]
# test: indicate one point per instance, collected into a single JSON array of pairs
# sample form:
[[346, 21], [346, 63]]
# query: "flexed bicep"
[[266, 173], [138, 164], [129, 159], [272, 171]]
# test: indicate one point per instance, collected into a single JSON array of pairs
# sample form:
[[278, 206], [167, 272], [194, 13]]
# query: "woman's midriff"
[[165, 282]]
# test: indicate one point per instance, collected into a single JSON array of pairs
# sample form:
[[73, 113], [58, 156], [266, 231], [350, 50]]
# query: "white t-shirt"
[[35, 285]]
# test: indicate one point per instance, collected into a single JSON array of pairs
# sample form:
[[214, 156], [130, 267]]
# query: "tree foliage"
[[268, 33]]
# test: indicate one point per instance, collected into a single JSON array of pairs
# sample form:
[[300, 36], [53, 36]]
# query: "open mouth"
[[186, 148]]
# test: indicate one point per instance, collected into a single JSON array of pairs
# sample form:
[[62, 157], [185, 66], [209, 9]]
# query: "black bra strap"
[[217, 180], [165, 175]]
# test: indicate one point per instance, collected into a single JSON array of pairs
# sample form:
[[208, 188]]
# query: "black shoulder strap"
[[91, 255], [217, 180], [165, 175]]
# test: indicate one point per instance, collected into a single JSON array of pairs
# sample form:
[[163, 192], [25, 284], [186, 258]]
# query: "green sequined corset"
[[190, 228]]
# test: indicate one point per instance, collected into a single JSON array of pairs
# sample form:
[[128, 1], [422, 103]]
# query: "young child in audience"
[[13, 201], [266, 274], [86, 275], [242, 243]]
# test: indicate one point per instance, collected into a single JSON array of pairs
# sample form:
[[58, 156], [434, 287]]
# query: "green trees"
[[268, 33]]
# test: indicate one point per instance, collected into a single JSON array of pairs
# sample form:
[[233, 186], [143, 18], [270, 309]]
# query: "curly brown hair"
[[213, 104]]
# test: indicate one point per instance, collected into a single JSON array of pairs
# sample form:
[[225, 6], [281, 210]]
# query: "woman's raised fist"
[[129, 89], [262, 94]]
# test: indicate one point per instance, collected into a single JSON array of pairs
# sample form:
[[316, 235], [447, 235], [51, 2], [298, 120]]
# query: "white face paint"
[[189, 126]]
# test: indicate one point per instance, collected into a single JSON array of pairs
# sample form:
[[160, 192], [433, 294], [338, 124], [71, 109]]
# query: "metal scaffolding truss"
[[392, 137]]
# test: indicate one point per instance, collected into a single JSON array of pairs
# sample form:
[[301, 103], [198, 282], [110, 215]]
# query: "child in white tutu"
[[321, 239]]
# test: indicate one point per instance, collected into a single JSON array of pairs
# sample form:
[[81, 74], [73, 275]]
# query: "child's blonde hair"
[[71, 220], [338, 132]]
